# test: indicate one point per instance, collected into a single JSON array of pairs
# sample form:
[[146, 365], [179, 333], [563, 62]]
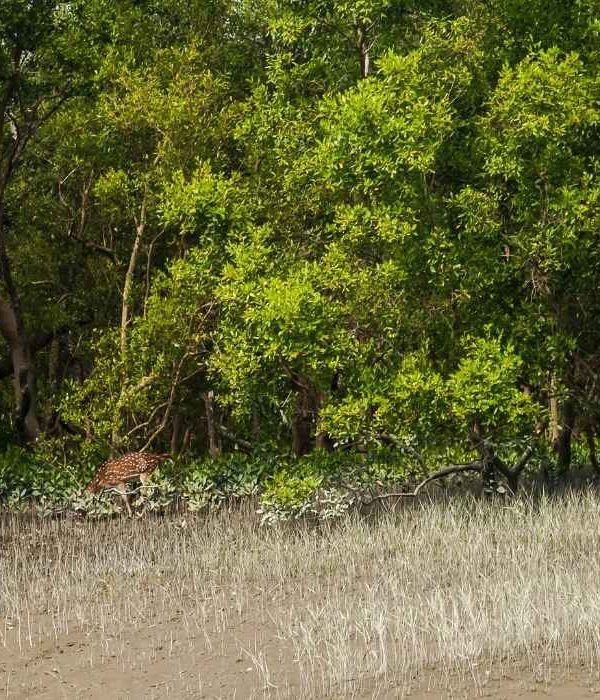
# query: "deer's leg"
[[122, 489]]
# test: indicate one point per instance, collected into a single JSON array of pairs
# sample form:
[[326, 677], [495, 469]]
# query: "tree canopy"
[[295, 225]]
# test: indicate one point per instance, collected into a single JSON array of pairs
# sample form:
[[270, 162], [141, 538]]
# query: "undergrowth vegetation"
[[321, 485]]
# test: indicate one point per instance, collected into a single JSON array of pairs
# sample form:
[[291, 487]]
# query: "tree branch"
[[230, 436], [176, 382], [522, 463], [127, 287], [397, 442], [96, 248], [488, 457], [476, 466], [39, 342]]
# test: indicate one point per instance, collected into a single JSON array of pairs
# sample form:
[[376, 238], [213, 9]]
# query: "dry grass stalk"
[[373, 603]]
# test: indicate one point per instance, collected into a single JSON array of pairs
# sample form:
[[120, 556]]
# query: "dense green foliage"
[[285, 226]]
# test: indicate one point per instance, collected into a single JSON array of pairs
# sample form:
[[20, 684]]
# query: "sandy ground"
[[133, 665]]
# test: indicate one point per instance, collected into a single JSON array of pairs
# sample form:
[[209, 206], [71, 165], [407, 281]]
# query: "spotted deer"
[[116, 473]]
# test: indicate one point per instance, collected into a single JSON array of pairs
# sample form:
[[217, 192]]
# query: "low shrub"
[[321, 485]]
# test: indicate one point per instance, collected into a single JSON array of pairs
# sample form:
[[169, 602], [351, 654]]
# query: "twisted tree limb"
[[397, 442], [489, 460], [512, 475], [244, 444], [476, 466]]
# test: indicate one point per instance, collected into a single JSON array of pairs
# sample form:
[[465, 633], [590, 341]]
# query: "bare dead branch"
[[476, 466], [523, 460], [97, 248], [397, 442], [140, 226], [175, 383], [146, 423], [452, 469], [234, 438]]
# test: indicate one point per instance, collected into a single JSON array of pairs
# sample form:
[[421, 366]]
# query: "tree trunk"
[[256, 427], [212, 428], [22, 119], [562, 445], [363, 51], [554, 412], [187, 439], [489, 477], [13, 330], [140, 226], [176, 433], [27, 424], [308, 403], [590, 435], [54, 362], [128, 285], [302, 421], [323, 440], [487, 458]]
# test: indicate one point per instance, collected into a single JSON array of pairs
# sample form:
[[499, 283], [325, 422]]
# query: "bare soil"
[[134, 666]]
